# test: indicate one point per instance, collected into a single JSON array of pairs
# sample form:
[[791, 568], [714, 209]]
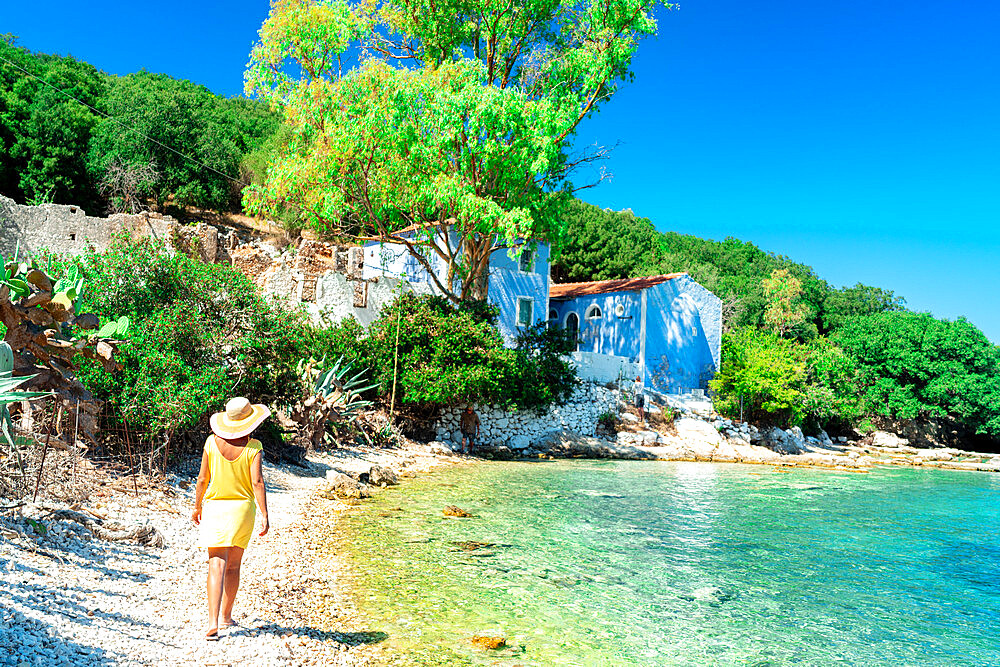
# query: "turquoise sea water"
[[643, 563]]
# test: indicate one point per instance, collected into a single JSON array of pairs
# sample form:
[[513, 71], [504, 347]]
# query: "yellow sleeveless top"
[[230, 480], [229, 510]]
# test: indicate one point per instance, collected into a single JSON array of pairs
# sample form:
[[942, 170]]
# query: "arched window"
[[553, 314], [594, 312]]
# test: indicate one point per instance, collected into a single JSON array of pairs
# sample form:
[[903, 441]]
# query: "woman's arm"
[[199, 490], [259, 490]]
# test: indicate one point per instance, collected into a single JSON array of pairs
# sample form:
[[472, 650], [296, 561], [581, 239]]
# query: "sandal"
[[212, 636]]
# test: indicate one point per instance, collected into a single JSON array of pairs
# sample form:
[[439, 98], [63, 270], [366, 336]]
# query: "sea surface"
[[653, 563]]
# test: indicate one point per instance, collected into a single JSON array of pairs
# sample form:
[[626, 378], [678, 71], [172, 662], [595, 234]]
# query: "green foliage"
[[829, 396], [55, 149], [785, 312], [605, 245], [913, 365], [542, 374], [858, 301], [211, 130], [195, 334], [458, 114], [43, 134], [451, 355], [762, 377]]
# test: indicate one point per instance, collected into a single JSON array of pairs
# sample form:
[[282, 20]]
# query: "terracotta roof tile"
[[572, 290]]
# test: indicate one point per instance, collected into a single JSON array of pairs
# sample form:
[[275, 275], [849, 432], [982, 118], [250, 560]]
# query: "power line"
[[122, 125]]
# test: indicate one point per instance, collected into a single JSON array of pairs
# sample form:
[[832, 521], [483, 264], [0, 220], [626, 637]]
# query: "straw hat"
[[239, 419]]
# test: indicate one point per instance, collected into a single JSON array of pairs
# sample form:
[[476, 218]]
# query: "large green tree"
[[456, 120], [912, 365], [195, 139], [44, 133]]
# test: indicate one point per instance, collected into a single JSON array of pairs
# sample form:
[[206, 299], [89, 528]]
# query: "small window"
[[594, 313], [525, 314], [527, 260], [620, 310], [553, 315], [72, 236]]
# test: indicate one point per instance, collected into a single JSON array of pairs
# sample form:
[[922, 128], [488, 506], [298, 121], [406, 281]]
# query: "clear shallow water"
[[652, 563]]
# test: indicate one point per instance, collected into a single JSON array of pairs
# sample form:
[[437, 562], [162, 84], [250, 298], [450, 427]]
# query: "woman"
[[229, 482]]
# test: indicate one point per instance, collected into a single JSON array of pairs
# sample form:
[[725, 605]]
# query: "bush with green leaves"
[[449, 355], [199, 333], [54, 149], [761, 379], [912, 365]]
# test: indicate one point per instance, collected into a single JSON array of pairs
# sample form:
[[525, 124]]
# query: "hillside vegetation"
[[797, 350], [102, 143]]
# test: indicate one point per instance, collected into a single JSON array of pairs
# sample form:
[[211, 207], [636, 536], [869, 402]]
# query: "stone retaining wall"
[[518, 430]]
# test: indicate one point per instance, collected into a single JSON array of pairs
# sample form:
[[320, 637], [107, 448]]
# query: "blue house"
[[666, 329], [519, 287]]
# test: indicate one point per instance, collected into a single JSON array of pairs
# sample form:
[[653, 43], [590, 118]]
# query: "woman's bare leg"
[[231, 583], [217, 557]]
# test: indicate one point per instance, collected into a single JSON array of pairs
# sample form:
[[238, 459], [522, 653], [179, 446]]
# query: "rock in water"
[[489, 642], [344, 486], [379, 476], [452, 510]]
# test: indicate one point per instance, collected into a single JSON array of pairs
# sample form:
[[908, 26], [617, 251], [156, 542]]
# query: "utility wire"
[[120, 124]]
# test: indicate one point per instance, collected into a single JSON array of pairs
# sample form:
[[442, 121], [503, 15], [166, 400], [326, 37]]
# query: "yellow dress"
[[229, 510]]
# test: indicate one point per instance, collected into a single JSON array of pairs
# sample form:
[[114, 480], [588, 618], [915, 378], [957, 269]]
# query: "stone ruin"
[[326, 280], [68, 230]]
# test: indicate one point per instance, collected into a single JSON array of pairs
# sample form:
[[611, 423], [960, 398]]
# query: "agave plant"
[[46, 332], [333, 396], [9, 395]]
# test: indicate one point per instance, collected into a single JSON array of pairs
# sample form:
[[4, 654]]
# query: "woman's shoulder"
[[254, 445]]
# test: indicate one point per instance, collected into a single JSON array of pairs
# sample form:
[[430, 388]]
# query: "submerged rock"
[[709, 594], [489, 642], [453, 510], [470, 545]]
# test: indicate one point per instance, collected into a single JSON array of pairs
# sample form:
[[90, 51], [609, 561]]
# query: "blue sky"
[[858, 137]]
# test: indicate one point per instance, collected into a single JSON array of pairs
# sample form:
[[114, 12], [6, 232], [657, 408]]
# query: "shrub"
[[449, 355], [912, 365], [200, 333], [761, 377]]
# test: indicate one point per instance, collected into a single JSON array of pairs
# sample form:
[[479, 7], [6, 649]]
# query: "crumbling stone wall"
[[326, 280], [68, 230]]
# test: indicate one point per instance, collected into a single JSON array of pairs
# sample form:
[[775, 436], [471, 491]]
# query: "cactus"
[[115, 328], [46, 333]]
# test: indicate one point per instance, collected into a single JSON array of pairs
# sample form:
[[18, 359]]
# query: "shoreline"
[[67, 598], [71, 600], [697, 440]]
